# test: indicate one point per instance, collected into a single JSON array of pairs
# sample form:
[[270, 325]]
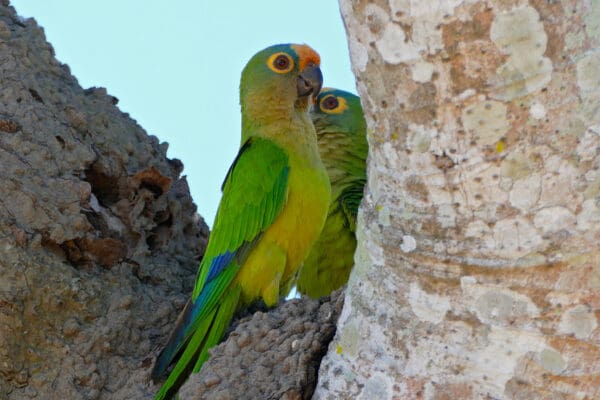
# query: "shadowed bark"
[[99, 235]]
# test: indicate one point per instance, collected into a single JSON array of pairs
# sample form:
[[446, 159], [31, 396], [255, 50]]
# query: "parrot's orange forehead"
[[306, 55]]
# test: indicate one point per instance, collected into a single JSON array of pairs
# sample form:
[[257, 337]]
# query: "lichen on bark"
[[476, 270]]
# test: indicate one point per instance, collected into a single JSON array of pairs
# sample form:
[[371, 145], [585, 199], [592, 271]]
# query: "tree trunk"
[[478, 267]]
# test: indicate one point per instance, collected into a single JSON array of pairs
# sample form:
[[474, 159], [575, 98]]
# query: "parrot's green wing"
[[349, 201], [254, 193]]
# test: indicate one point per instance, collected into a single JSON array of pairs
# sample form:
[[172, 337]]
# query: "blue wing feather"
[[218, 264]]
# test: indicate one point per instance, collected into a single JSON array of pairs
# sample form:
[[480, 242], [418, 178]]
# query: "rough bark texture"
[[98, 233], [273, 355], [478, 265]]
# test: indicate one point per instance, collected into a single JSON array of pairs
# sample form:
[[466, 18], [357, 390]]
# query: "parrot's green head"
[[338, 111], [279, 80]]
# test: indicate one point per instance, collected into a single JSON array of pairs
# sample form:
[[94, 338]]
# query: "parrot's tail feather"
[[208, 334], [196, 313], [220, 324], [183, 366], [174, 344]]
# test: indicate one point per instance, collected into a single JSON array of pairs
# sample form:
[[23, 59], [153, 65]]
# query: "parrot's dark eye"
[[332, 104], [329, 103], [280, 63]]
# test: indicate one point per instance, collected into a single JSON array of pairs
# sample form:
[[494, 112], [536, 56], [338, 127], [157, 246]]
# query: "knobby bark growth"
[[270, 356], [478, 267], [98, 232]]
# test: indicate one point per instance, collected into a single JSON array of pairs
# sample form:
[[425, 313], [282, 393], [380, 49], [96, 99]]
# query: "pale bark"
[[478, 267]]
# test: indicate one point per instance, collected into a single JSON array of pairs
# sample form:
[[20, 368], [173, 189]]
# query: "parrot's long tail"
[[208, 333]]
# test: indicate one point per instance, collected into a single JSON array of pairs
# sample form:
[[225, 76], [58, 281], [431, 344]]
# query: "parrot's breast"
[[330, 261], [292, 234], [303, 217]]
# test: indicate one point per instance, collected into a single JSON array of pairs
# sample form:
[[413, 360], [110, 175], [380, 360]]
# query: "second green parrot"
[[274, 205], [341, 135]]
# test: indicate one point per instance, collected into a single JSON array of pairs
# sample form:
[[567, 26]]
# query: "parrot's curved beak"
[[310, 81]]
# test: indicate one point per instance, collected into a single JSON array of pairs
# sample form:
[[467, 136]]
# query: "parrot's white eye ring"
[[280, 62]]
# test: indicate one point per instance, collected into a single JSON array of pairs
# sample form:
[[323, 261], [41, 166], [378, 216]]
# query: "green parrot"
[[341, 135], [274, 204]]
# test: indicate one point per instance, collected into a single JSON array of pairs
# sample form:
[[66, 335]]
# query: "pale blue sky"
[[175, 67]]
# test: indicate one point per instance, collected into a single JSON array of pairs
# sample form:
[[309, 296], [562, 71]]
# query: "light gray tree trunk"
[[478, 267]]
